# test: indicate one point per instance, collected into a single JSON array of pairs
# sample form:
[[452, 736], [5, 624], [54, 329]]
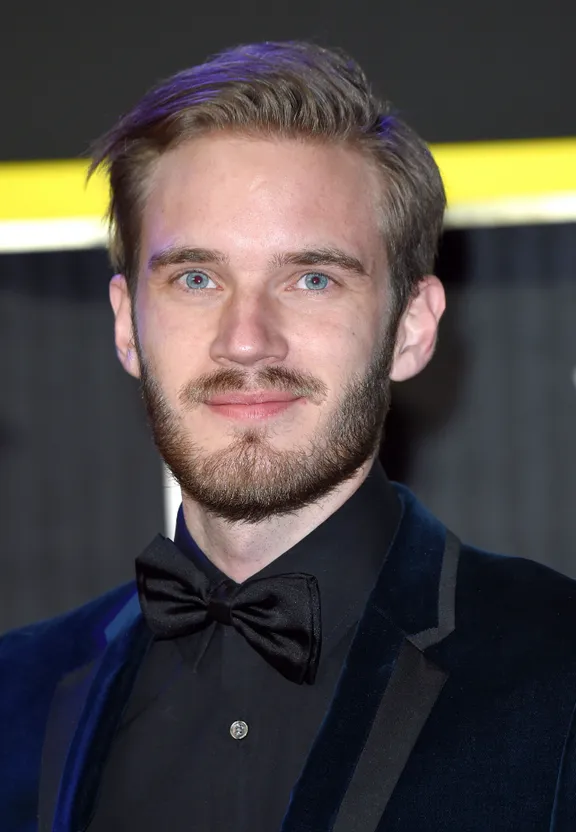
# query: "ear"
[[123, 331], [418, 329]]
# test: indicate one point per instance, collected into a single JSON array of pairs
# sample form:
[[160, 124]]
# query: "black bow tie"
[[278, 616]]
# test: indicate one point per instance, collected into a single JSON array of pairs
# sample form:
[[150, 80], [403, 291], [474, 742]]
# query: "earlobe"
[[121, 303], [418, 330]]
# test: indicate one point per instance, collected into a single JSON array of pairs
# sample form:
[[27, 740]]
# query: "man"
[[314, 651]]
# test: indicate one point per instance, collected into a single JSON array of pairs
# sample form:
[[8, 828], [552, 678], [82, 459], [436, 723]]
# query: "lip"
[[261, 397], [252, 406]]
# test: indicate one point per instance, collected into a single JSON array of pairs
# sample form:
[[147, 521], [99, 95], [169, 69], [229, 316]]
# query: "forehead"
[[254, 196]]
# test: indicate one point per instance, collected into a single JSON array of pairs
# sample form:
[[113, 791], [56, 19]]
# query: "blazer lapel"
[[388, 686], [412, 690], [65, 711], [83, 716]]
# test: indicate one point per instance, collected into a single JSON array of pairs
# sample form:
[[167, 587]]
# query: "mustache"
[[229, 380]]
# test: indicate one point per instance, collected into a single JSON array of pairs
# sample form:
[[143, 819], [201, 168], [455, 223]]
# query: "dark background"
[[486, 436], [458, 70]]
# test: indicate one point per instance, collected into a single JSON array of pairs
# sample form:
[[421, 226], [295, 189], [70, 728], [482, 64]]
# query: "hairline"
[[256, 132]]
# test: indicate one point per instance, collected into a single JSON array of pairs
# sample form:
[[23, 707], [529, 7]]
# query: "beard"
[[250, 480]]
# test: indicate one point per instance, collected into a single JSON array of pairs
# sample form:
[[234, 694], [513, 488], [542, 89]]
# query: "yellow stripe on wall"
[[485, 181], [485, 171], [50, 190]]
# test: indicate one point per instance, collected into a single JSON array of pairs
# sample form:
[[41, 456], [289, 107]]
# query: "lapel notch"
[[446, 597]]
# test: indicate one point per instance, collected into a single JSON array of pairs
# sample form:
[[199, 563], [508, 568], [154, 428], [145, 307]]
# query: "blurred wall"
[[80, 482], [458, 71]]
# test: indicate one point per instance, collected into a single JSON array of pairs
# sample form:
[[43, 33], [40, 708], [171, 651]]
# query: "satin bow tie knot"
[[279, 616], [220, 602]]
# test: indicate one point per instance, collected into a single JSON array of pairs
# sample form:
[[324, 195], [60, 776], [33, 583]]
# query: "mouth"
[[252, 406]]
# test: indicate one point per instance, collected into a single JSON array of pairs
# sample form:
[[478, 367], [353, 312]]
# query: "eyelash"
[[332, 282]]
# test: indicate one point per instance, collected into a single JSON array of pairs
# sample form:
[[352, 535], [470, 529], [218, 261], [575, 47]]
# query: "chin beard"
[[250, 481]]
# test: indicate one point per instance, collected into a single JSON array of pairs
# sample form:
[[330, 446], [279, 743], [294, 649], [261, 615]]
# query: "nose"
[[249, 331]]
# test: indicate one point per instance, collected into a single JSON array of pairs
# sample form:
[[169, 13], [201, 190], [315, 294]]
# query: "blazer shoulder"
[[506, 589], [67, 640]]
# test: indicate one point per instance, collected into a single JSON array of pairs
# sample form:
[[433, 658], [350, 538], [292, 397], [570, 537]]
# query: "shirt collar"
[[345, 553]]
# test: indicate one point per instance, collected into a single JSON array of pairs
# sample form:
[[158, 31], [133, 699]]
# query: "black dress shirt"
[[213, 738]]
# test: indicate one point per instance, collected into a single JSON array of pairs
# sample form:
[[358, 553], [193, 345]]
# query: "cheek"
[[334, 349], [167, 331], [170, 353]]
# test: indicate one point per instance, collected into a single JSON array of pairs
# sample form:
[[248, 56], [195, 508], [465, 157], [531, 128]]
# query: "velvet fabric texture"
[[453, 712]]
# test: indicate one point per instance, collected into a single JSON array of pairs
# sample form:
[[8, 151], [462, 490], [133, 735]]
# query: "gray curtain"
[[80, 482], [486, 435]]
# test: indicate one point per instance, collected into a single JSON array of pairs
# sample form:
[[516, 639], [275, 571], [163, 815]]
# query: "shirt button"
[[238, 730]]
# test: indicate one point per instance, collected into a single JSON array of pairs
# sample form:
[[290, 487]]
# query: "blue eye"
[[315, 281], [196, 280]]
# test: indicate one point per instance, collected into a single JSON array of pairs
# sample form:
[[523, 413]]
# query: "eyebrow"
[[328, 256], [321, 257], [177, 255]]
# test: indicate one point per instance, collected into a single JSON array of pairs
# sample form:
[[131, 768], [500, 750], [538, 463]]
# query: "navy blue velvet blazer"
[[453, 712]]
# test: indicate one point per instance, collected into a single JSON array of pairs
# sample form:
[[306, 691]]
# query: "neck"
[[240, 550]]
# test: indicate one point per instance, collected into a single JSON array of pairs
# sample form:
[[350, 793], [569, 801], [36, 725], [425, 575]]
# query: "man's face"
[[261, 315]]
